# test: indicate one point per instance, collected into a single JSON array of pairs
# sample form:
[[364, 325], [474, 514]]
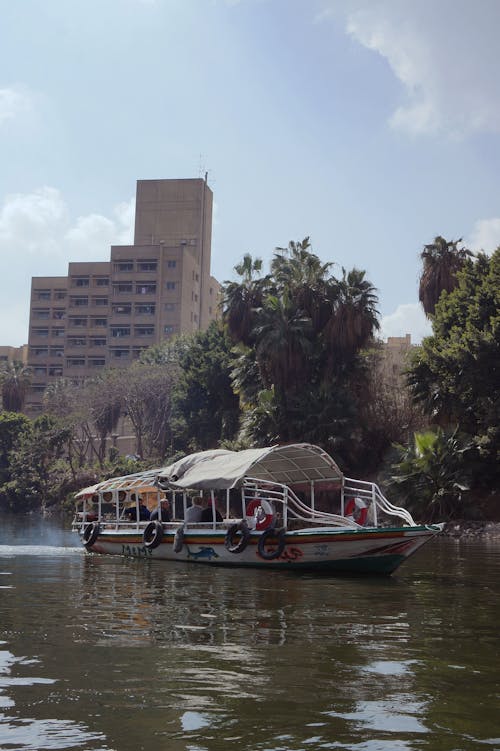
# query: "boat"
[[282, 507]]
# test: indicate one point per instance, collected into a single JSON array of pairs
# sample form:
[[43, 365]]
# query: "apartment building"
[[103, 314]]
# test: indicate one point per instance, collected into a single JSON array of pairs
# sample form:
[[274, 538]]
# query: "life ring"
[[237, 537], [90, 534], [357, 510], [259, 513], [272, 534], [179, 540], [153, 535]]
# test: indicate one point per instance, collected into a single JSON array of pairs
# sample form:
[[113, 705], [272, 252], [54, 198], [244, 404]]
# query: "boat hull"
[[368, 551]]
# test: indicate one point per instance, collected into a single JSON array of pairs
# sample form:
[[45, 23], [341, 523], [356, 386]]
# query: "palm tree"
[[354, 318], [240, 299], [441, 262], [300, 274], [15, 380], [283, 350]]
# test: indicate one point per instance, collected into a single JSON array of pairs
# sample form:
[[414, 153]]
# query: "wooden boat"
[[282, 507]]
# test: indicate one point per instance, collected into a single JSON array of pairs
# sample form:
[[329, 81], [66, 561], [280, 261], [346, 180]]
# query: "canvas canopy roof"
[[220, 469]]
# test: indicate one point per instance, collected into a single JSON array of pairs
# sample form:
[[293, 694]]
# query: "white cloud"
[[485, 235], [406, 319], [445, 54], [14, 101], [39, 238]]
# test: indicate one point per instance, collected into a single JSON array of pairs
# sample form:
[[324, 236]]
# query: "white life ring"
[[259, 514], [357, 510]]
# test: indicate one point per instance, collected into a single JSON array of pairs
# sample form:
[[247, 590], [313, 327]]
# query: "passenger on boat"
[[195, 511], [131, 512], [207, 513], [164, 513]]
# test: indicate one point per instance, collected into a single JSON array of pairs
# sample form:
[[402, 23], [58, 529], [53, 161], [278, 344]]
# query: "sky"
[[370, 126]]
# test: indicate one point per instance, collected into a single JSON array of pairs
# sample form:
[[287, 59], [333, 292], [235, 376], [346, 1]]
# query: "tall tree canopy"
[[442, 260], [298, 334], [15, 379], [456, 372]]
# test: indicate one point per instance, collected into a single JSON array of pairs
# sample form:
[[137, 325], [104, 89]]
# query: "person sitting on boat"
[[163, 514], [208, 512], [195, 511], [131, 512]]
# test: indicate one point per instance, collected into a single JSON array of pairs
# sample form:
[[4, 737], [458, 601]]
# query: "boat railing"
[[289, 505], [374, 499]]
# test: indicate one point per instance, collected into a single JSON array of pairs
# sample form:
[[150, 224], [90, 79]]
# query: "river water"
[[101, 653]]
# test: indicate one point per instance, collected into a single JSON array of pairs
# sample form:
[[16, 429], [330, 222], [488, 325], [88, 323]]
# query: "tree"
[[456, 372], [241, 299], [12, 428], [15, 380], [39, 476], [298, 347], [431, 474], [206, 409], [442, 259]]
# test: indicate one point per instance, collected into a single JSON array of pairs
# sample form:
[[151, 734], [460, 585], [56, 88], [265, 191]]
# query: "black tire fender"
[[272, 534], [237, 537], [153, 535], [90, 534]]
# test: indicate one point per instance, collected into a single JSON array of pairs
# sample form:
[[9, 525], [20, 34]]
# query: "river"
[[101, 653]]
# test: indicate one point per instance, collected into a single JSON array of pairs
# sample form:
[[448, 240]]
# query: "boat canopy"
[[220, 469]]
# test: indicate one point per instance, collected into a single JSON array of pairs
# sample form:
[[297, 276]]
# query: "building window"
[[171, 264], [78, 302], [60, 294], [56, 352], [102, 281], [120, 331], [42, 294], [169, 306], [40, 351], [100, 301], [145, 289], [58, 332], [77, 342], [39, 370], [122, 289], [120, 353], [195, 317], [122, 266], [168, 329], [40, 332], [41, 313], [170, 285], [120, 310], [75, 362], [58, 315], [147, 265], [144, 310], [38, 388], [97, 362], [98, 341], [144, 330], [100, 322], [197, 277], [82, 281], [78, 322], [55, 371]]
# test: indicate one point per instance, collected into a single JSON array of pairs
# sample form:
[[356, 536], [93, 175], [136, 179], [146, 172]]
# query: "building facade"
[[103, 314]]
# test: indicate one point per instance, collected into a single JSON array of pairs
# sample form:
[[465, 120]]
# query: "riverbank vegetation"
[[294, 357]]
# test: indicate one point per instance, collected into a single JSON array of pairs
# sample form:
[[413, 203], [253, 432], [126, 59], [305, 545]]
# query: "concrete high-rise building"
[[104, 314]]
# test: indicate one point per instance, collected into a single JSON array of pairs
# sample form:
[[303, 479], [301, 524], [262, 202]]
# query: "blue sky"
[[369, 125]]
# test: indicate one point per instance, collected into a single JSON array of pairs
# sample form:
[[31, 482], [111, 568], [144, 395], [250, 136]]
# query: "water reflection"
[[130, 654]]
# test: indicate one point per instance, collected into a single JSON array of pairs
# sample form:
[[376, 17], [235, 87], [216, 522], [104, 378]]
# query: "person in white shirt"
[[195, 511]]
